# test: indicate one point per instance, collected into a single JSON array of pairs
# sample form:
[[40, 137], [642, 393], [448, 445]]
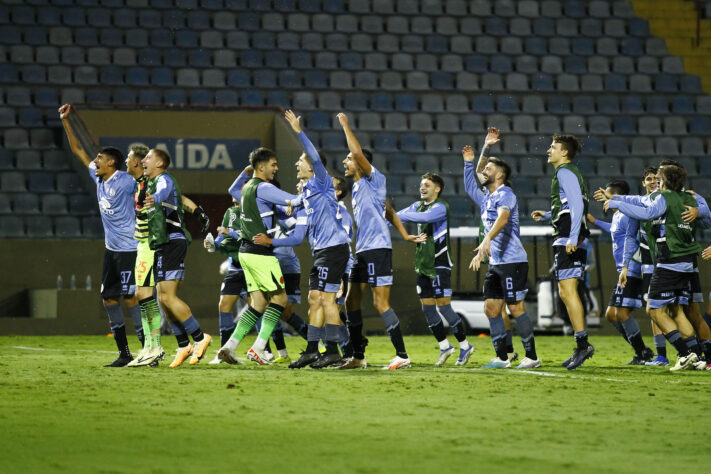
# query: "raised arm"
[[605, 226], [354, 146], [492, 138], [74, 143], [319, 169], [435, 213], [470, 184], [236, 187]]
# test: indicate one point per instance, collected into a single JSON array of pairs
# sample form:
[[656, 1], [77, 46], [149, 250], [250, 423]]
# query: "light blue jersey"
[[623, 231], [437, 216], [294, 227], [116, 204], [369, 212], [319, 200], [506, 247]]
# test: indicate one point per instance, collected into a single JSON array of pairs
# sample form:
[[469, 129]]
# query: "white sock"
[[232, 344], [444, 344], [464, 344], [283, 353], [259, 344]]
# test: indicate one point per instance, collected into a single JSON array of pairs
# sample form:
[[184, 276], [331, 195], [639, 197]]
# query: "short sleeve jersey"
[[369, 212], [116, 205]]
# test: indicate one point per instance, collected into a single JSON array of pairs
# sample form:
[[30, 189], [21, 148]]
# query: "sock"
[[278, 337], [192, 327], [618, 325], [283, 353], [706, 346], [464, 344], [455, 322], [313, 336], [434, 322], [180, 334], [581, 338], [332, 337], [693, 344], [525, 330], [227, 326], [355, 329], [298, 323], [245, 324], [634, 336], [660, 342], [270, 319], [509, 341], [135, 312], [148, 341], [118, 329], [707, 318], [345, 342], [675, 339], [498, 336], [150, 313], [392, 325]]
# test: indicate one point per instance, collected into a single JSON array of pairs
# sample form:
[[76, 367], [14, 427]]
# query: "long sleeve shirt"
[[571, 197]]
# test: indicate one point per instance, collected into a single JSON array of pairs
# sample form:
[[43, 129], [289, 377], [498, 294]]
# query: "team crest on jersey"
[[112, 192]]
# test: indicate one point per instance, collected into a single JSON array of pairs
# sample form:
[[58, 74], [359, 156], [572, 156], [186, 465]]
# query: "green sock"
[[269, 321], [150, 314], [246, 323]]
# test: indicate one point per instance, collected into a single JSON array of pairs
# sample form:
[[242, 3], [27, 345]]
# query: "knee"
[[280, 299], [314, 299], [517, 309]]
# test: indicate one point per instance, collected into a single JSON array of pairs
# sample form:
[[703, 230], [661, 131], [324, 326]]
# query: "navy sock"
[[693, 344], [634, 336], [180, 334], [525, 330], [278, 337], [355, 329], [706, 347], [118, 329], [660, 342], [192, 327], [332, 336], [581, 338], [314, 334], [509, 341], [135, 312], [498, 336], [621, 329], [227, 326], [455, 322], [675, 339]]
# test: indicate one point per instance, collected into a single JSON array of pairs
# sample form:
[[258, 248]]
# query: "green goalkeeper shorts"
[[144, 265], [262, 273]]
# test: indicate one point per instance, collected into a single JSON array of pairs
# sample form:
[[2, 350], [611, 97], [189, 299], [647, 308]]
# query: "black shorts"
[[437, 287], [329, 265], [669, 287], [569, 266], [374, 267], [646, 279], [117, 277], [628, 297], [292, 285], [234, 284], [507, 281], [169, 263], [697, 295]]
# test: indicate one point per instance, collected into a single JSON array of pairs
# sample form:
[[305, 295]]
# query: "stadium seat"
[[40, 182], [25, 203], [39, 227], [67, 227], [11, 227], [616, 146], [692, 146], [54, 204], [667, 146], [226, 97]]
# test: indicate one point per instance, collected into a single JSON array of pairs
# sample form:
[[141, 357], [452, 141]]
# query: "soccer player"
[[433, 266], [627, 295], [346, 220], [569, 208], [373, 265], [233, 285], [506, 279], [330, 247], [676, 252], [114, 192], [169, 239], [265, 281]]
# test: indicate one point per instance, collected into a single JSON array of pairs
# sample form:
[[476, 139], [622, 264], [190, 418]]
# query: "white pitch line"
[[25, 348]]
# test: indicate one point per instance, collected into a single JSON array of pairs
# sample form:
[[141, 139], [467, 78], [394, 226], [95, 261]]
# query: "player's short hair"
[[503, 166], [620, 186], [436, 179], [341, 187], [649, 170], [568, 142], [368, 155], [163, 155], [114, 154], [139, 150], [260, 155], [670, 162], [674, 177]]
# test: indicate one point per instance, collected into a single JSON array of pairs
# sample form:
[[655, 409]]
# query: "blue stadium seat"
[[665, 83], [239, 78], [381, 102], [638, 27], [532, 166], [251, 97], [124, 96], [690, 84], [161, 38], [201, 97], [355, 101], [411, 142], [11, 227], [30, 117], [175, 96], [507, 104], [111, 37], [25, 203], [226, 97], [186, 39], [67, 227], [12, 181], [7, 117], [616, 146], [542, 83], [683, 105], [632, 104], [137, 76], [16, 138], [39, 227], [111, 76], [558, 104], [6, 160], [199, 58], [278, 99], [49, 16], [476, 63], [406, 103], [40, 182], [632, 47], [289, 79], [593, 145], [692, 146], [501, 65], [54, 204], [315, 79], [483, 104], [699, 126], [175, 19]]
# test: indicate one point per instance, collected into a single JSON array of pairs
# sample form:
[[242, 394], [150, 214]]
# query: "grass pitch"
[[61, 411]]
